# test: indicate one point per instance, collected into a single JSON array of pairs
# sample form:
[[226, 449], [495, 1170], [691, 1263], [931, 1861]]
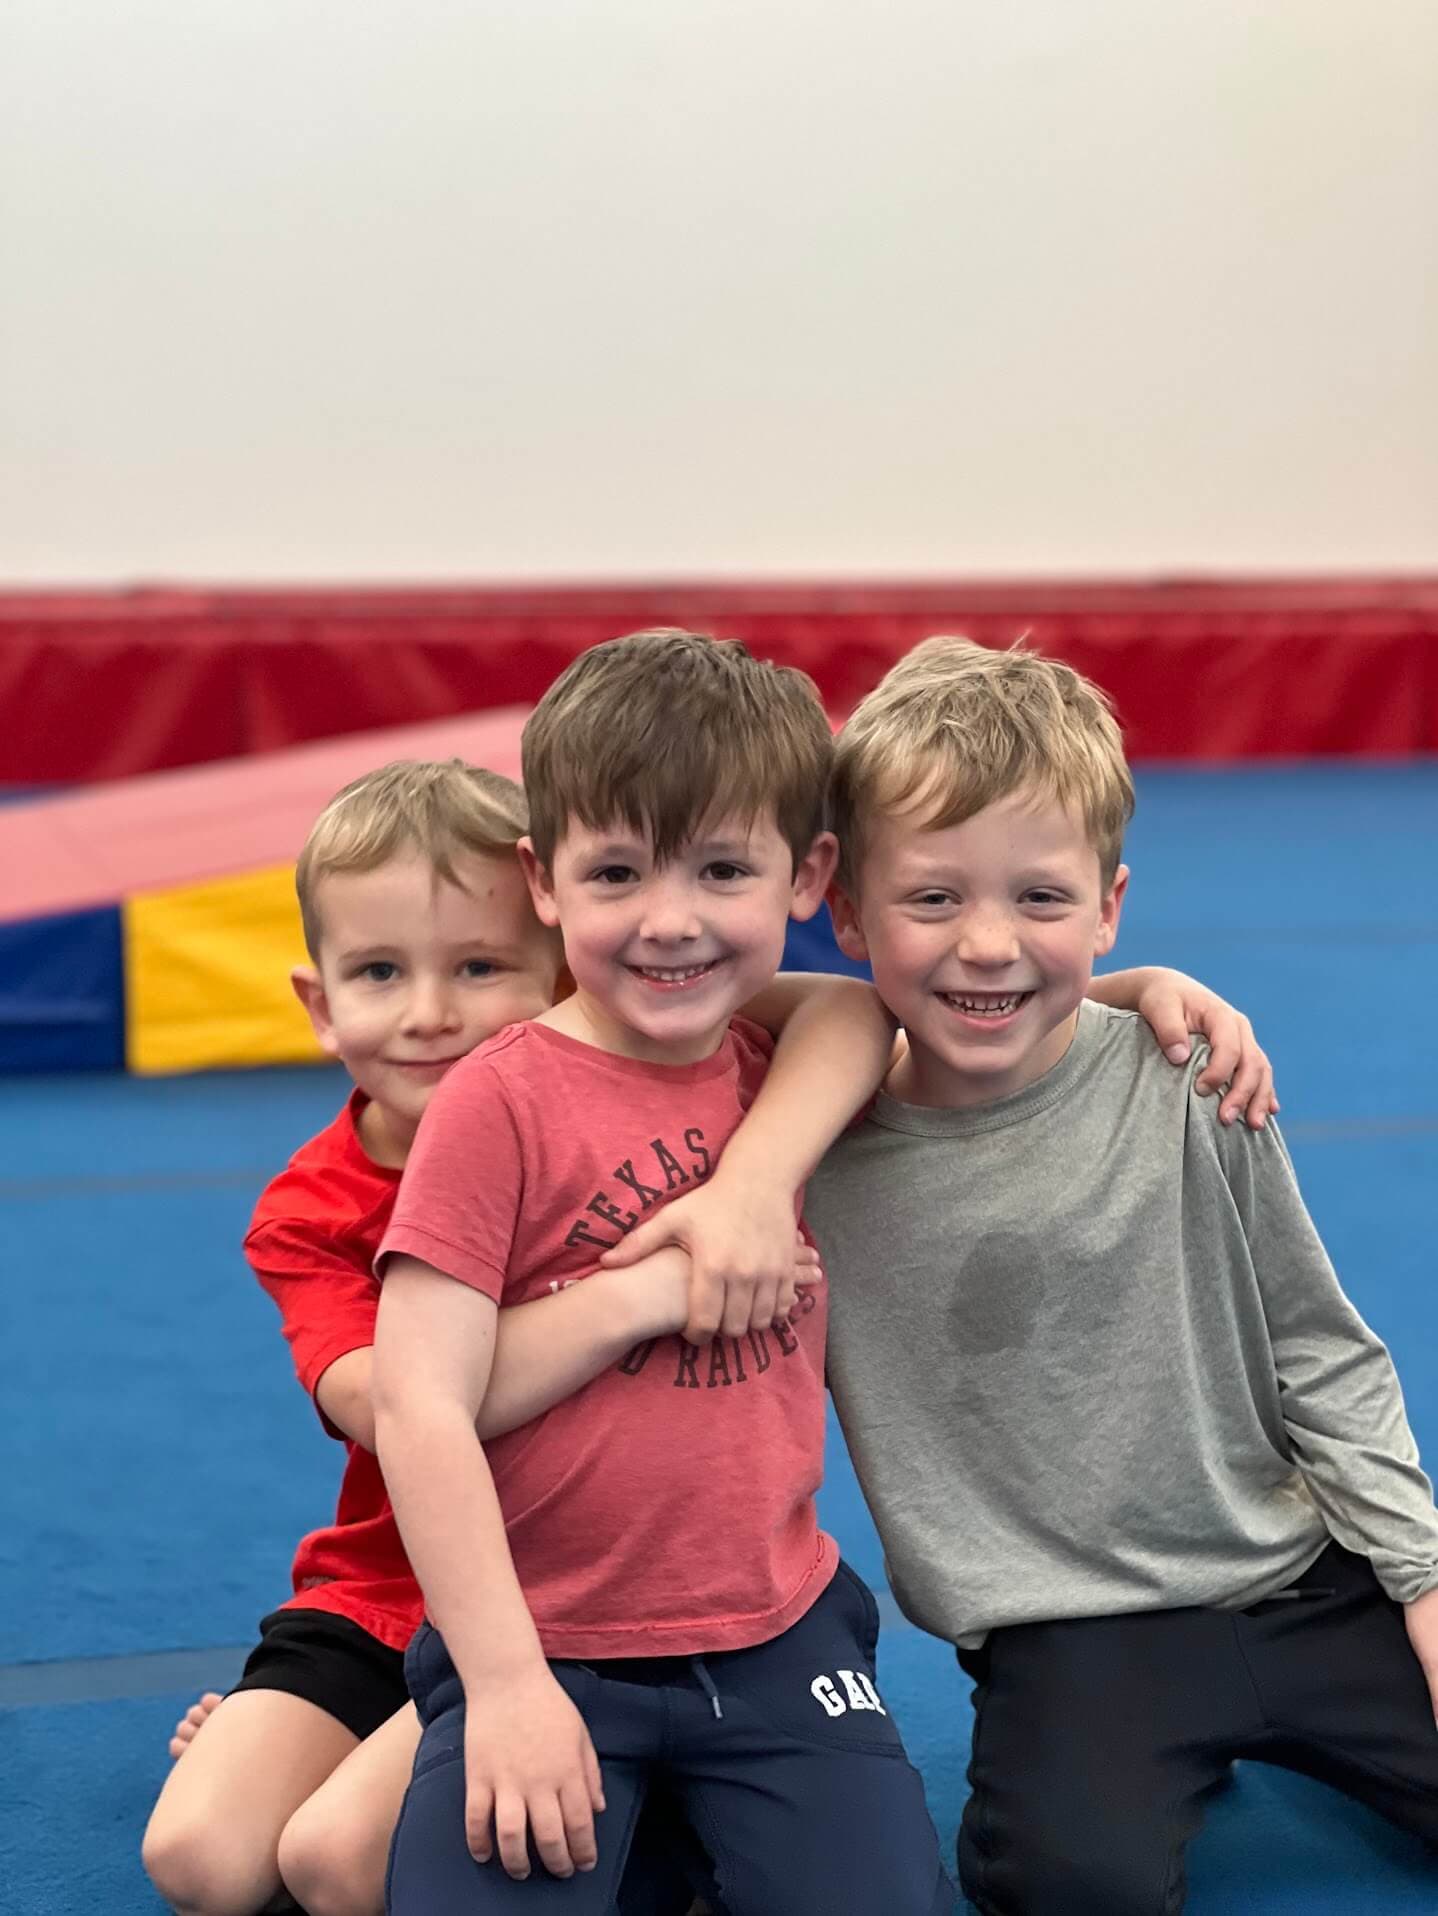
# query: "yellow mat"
[[207, 975]]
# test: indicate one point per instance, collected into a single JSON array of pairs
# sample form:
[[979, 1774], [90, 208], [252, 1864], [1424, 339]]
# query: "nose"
[[431, 1008], [670, 915], [987, 937]]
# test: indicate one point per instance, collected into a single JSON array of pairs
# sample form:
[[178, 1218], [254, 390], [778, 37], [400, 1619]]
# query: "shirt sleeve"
[[1342, 1403], [462, 1191], [326, 1295]]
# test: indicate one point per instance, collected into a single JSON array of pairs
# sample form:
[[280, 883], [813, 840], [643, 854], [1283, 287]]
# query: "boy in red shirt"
[[424, 943], [637, 1576]]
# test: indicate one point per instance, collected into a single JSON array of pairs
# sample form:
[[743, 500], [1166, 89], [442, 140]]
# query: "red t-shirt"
[[312, 1244], [667, 1508]]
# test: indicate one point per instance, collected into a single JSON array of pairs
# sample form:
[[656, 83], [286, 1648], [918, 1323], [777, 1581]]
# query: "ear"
[[848, 930], [1109, 911], [309, 989], [812, 875], [540, 882]]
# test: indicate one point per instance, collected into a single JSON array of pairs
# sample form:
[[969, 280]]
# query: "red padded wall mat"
[[108, 684]]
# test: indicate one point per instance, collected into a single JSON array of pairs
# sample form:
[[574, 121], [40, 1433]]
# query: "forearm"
[[550, 1348], [835, 1047], [344, 1396], [1339, 1395], [1349, 1434], [544, 1351], [453, 1530]]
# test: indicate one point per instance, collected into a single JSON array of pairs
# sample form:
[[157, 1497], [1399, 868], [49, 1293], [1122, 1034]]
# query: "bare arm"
[[836, 1043], [550, 1348], [529, 1762], [544, 1351], [1173, 1005], [835, 1047]]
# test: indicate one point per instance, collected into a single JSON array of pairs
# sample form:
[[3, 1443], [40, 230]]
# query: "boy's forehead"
[[407, 897], [731, 829], [1025, 822]]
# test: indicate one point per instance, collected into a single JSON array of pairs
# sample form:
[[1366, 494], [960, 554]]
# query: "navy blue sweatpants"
[[782, 1759]]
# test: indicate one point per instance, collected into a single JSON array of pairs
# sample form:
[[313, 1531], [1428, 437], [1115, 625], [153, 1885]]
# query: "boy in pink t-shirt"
[[637, 1577]]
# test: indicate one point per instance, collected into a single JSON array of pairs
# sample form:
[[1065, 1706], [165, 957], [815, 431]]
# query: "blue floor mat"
[[166, 1461]]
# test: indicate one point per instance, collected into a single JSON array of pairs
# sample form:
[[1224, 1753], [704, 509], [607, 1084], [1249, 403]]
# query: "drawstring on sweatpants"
[[706, 1684]]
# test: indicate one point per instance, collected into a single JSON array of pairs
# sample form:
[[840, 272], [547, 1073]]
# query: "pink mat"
[[108, 842]]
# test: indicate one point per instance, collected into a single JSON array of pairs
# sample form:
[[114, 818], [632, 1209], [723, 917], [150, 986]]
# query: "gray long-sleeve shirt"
[[1091, 1357]]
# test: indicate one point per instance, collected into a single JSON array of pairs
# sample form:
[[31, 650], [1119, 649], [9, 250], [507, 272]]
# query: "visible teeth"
[[672, 977], [985, 1007]]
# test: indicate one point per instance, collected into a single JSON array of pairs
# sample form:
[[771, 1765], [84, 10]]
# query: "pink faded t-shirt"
[[667, 1509]]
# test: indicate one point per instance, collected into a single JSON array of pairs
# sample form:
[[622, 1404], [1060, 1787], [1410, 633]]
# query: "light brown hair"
[[667, 729], [955, 726], [437, 807]]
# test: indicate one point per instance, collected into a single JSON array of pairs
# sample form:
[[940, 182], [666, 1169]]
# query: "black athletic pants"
[[1096, 1740]]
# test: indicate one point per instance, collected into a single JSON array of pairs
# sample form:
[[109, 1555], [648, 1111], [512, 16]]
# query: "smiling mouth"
[[674, 977], [985, 1004], [426, 1064]]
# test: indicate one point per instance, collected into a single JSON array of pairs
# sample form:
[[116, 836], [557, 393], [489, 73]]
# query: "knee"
[[330, 1867], [199, 1873]]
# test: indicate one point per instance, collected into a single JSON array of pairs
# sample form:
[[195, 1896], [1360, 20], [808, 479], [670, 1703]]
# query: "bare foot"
[[190, 1722]]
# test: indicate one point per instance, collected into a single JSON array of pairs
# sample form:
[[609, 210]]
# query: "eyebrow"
[[471, 947]]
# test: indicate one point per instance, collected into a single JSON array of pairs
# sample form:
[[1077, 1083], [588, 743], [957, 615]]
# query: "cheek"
[[359, 1027], [906, 953], [1066, 948]]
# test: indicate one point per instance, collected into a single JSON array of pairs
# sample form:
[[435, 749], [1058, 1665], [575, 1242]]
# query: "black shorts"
[[331, 1663]]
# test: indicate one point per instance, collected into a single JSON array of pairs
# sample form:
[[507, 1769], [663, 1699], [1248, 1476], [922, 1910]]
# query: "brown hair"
[[666, 729], [437, 807], [955, 726]]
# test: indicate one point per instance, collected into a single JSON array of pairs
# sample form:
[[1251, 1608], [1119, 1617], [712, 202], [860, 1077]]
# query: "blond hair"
[[436, 807], [955, 726], [666, 730]]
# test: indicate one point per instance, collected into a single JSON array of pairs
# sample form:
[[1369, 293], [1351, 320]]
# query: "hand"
[[1174, 1005], [744, 1258], [1421, 1617], [530, 1768]]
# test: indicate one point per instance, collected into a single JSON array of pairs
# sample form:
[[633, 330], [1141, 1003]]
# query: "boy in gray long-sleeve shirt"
[[1126, 1441]]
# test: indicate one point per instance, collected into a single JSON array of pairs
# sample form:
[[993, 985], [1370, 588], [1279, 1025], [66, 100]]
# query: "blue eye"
[[379, 971], [479, 968]]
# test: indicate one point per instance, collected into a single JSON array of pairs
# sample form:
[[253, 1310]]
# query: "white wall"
[[308, 289]]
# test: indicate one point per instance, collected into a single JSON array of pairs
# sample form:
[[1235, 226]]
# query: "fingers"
[[511, 1831], [739, 1295], [549, 1825], [478, 1817], [1238, 1062], [707, 1304], [643, 1239], [1250, 1096], [1170, 1030], [594, 1781], [765, 1305], [1225, 1048], [559, 1823], [577, 1811]]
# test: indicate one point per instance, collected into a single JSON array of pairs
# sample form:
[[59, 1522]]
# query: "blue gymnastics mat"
[[163, 1462]]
